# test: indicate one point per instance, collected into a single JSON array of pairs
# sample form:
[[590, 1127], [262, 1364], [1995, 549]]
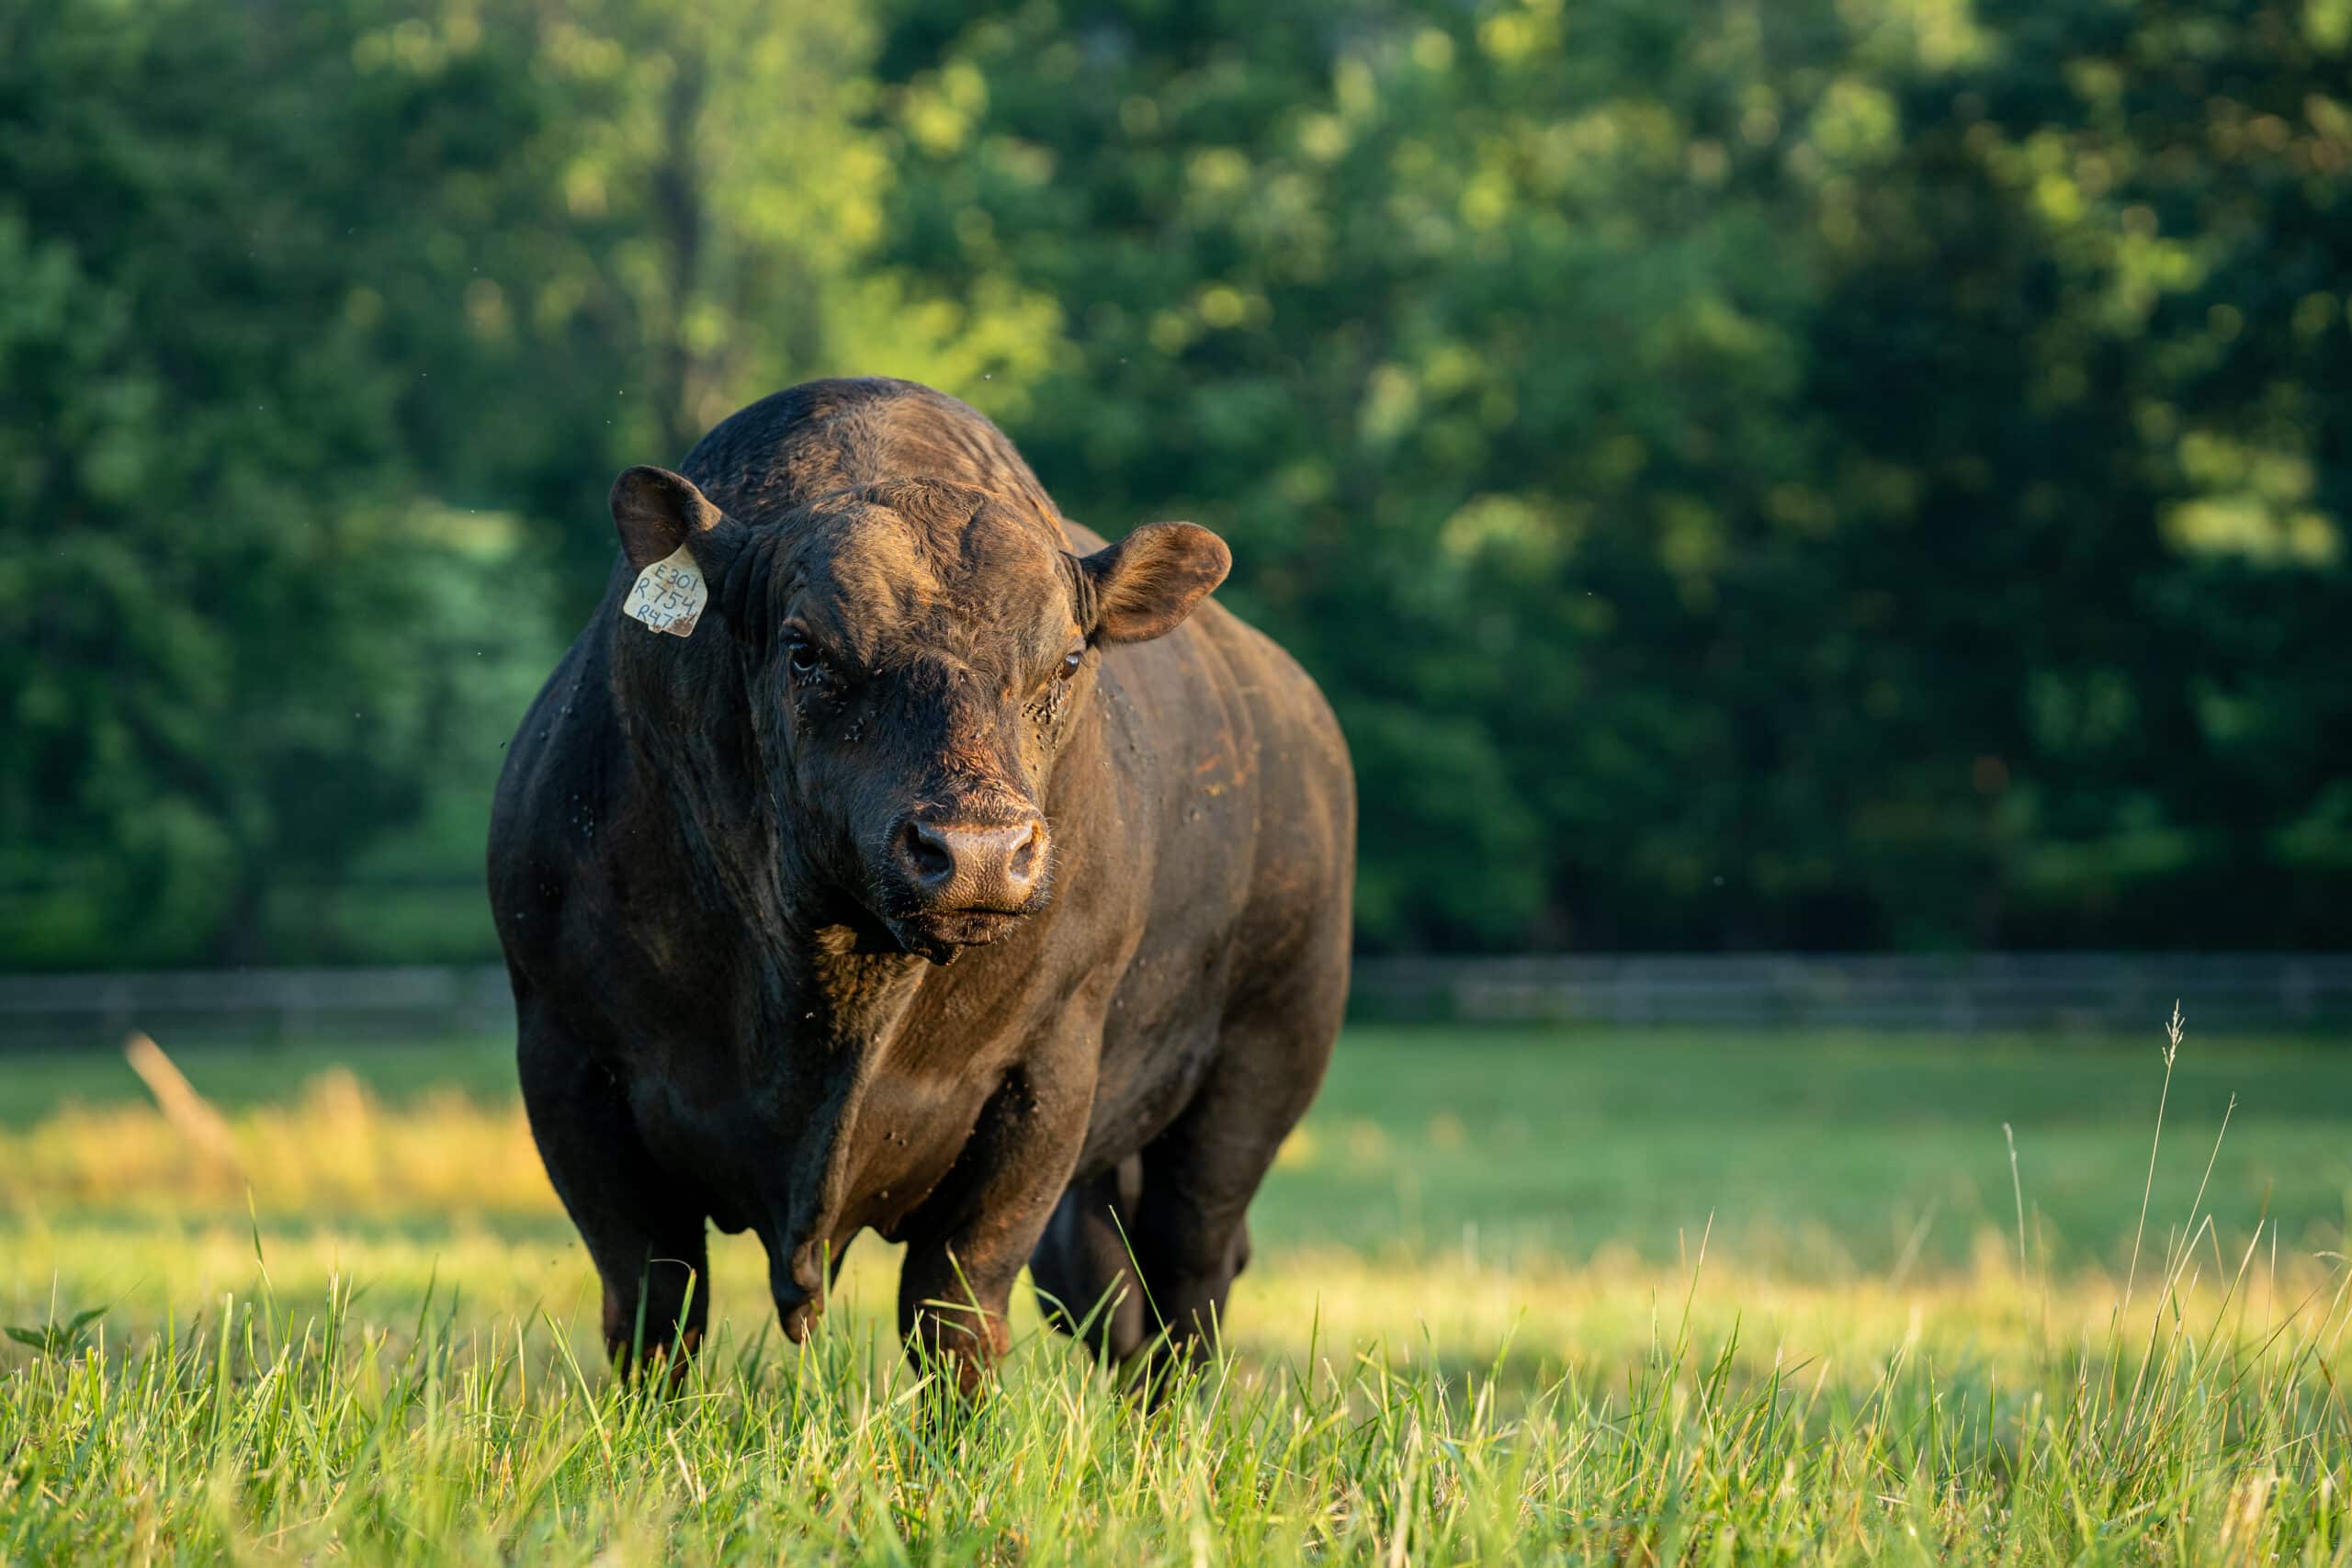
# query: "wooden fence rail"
[[255, 1005], [2083, 992], [2068, 992]]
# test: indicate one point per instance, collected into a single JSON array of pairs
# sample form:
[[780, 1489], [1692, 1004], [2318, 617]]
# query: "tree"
[[231, 649], [1736, 485]]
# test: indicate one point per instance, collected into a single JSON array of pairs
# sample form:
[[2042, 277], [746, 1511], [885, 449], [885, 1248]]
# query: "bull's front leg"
[[972, 1239]]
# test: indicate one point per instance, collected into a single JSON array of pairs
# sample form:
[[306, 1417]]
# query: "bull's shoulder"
[[1218, 686], [1283, 698], [1300, 791]]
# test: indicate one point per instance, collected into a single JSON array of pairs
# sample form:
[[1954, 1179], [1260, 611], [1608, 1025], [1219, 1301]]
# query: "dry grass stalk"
[[190, 1114]]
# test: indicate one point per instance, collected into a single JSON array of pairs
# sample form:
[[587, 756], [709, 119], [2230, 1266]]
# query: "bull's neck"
[[820, 1016], [849, 999], [821, 993], [765, 927]]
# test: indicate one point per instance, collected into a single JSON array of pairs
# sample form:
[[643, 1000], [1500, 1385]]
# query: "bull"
[[890, 852]]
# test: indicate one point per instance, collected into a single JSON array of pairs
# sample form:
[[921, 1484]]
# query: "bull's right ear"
[[1145, 584], [656, 511]]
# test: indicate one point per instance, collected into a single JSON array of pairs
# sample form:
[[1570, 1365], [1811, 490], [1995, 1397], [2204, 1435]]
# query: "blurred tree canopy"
[[1850, 474]]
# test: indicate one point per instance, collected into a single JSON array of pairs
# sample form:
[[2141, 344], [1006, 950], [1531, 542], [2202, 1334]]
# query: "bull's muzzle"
[[963, 881], [970, 867]]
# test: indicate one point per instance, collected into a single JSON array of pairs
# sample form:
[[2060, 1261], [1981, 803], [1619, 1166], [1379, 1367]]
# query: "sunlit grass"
[[331, 1145], [363, 1330], [1825, 1157], [395, 1399]]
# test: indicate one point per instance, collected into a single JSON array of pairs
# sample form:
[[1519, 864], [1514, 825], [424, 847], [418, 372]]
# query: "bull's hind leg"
[[1080, 1266], [645, 1236], [1190, 1233]]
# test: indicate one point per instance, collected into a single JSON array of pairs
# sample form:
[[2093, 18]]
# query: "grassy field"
[[1518, 1295]]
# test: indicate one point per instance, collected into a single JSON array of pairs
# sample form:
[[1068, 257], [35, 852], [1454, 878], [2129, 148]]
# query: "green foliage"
[[56, 1339], [1816, 475], [237, 638], [1823, 476]]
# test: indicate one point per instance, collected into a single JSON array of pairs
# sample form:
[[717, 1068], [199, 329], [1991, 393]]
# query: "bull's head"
[[914, 656]]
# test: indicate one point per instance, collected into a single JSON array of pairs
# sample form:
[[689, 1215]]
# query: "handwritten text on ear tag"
[[668, 596]]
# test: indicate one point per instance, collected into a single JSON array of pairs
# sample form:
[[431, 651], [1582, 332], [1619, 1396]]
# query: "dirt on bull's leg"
[[961, 1342]]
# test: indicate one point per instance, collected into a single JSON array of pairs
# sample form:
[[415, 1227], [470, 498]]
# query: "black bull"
[[922, 721]]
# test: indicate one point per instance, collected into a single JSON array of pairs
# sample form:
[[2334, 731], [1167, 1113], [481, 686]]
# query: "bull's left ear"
[[1146, 584], [655, 511]]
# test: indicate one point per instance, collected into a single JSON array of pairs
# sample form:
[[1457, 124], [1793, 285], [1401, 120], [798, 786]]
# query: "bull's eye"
[[1070, 662], [801, 654]]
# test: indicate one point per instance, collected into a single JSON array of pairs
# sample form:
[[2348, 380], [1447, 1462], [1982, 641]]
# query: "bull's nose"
[[971, 866]]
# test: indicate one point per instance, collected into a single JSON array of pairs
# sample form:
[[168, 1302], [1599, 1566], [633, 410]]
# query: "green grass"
[[1829, 1155], [1835, 1153], [37, 1084], [1479, 1329]]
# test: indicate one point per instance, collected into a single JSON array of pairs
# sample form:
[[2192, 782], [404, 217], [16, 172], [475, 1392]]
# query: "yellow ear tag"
[[668, 595]]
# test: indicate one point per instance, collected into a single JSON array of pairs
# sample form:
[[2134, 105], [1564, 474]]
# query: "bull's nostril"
[[928, 853], [1024, 862]]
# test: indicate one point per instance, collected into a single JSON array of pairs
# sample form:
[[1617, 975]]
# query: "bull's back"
[[822, 437]]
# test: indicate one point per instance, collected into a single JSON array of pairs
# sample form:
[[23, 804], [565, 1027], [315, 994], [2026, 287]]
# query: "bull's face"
[[916, 656]]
